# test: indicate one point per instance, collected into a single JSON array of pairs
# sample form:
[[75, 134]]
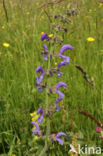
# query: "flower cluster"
[[38, 116]]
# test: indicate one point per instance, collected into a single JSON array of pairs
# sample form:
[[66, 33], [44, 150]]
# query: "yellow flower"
[[33, 119], [55, 63], [90, 10], [100, 5], [90, 39], [37, 3], [51, 35], [34, 116], [42, 33], [6, 45], [28, 13], [31, 114], [3, 27]]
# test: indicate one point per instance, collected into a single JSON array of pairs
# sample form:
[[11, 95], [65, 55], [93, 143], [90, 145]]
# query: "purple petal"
[[61, 64], [46, 51], [45, 47], [45, 57], [60, 141], [65, 29], [51, 56], [40, 89], [60, 84], [39, 78], [40, 110], [60, 134], [40, 119], [55, 16], [66, 59], [44, 37], [51, 91], [58, 108], [37, 127], [61, 96], [39, 69], [59, 74], [64, 48]]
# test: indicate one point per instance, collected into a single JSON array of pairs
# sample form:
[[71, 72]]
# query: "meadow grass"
[[18, 93]]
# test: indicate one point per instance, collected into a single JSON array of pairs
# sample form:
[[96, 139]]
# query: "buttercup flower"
[[41, 112], [51, 35], [37, 127], [39, 78], [55, 63], [90, 10], [34, 116], [60, 141], [61, 95], [64, 48], [90, 39], [100, 5], [28, 13], [37, 3], [42, 33], [6, 45], [3, 27]]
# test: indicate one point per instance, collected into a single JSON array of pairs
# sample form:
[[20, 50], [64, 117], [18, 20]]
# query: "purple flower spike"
[[60, 141], [64, 48], [40, 89], [61, 64], [45, 57], [45, 37], [45, 52], [59, 74], [45, 47], [41, 112], [60, 84], [39, 78], [65, 29], [61, 95], [58, 66], [37, 127]]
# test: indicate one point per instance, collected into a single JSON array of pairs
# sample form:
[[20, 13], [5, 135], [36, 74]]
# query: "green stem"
[[48, 120]]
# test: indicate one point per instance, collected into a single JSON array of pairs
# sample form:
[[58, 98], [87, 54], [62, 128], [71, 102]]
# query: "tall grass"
[[18, 94]]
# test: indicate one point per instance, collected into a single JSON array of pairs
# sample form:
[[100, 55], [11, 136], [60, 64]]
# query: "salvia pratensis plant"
[[45, 112]]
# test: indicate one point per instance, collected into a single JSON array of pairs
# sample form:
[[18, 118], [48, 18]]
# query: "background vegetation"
[[18, 93]]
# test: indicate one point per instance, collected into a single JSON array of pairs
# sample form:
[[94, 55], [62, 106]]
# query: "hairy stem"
[[47, 108]]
